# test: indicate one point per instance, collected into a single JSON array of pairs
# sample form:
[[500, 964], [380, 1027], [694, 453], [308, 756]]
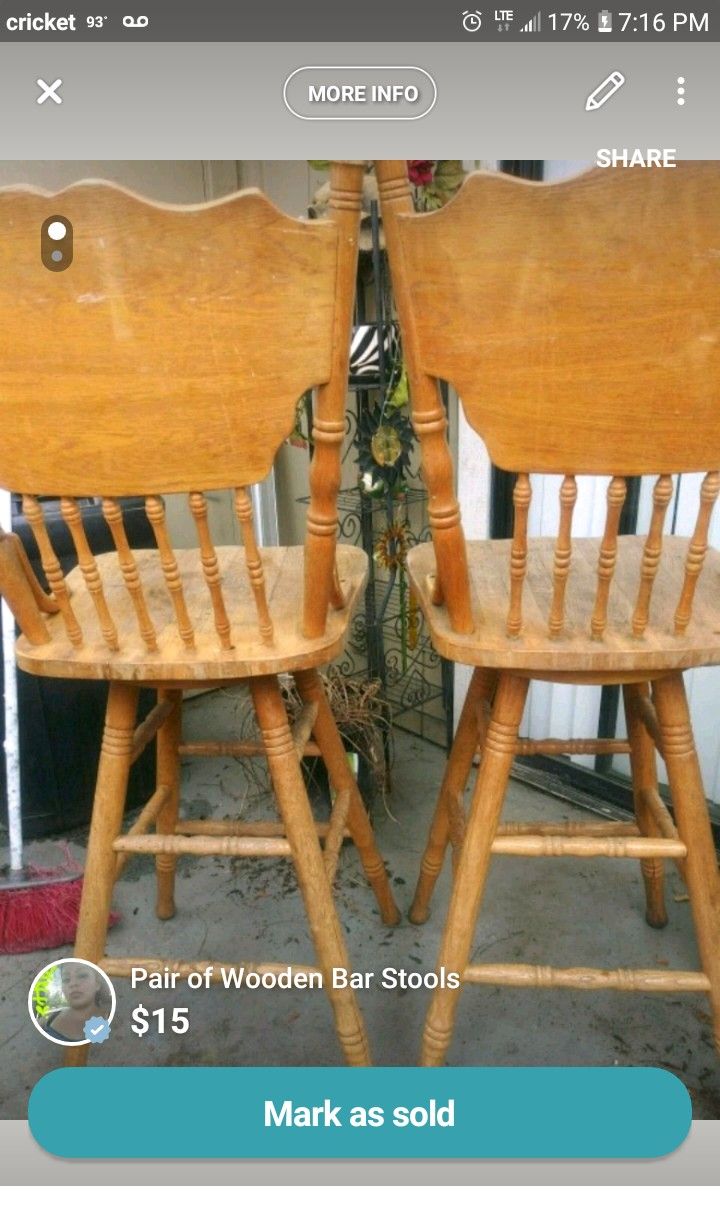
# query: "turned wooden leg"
[[448, 823], [485, 809], [168, 775], [691, 814], [313, 882], [107, 816], [325, 732], [644, 777]]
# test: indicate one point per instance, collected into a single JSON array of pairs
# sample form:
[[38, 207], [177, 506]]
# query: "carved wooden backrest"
[[580, 325], [169, 357]]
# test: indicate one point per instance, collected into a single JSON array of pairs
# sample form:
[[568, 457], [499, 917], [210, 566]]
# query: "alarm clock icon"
[[472, 20]]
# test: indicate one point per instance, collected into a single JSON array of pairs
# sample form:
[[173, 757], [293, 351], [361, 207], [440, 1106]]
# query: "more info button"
[[359, 93]]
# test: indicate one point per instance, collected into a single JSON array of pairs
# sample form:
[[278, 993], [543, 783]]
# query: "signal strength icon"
[[532, 26]]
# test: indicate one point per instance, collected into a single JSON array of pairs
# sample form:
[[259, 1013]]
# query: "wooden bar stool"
[[579, 324], [167, 359]]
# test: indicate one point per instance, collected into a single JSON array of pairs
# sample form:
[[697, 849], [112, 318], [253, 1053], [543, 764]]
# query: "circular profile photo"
[[72, 1002]]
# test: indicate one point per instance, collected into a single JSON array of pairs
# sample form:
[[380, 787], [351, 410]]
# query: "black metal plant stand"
[[387, 641]]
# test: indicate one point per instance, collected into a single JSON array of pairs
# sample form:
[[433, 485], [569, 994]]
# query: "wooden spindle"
[[211, 569], [70, 512], [321, 588], [112, 511], [522, 495], [56, 579], [651, 553], [428, 412], [563, 553], [155, 511], [243, 510], [608, 555], [697, 550]]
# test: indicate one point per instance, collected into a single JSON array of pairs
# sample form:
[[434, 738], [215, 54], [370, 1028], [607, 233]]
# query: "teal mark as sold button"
[[401, 1113]]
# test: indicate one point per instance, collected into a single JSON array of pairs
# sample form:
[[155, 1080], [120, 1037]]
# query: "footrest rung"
[[180, 967], [569, 829], [235, 847], [571, 745], [242, 828], [537, 846], [236, 749], [222, 749], [623, 979]]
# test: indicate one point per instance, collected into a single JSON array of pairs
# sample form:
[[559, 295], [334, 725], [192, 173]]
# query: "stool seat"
[[619, 652], [172, 661]]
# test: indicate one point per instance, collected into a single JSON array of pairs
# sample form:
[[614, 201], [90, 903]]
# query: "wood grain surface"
[[579, 321], [180, 335], [658, 649], [207, 660]]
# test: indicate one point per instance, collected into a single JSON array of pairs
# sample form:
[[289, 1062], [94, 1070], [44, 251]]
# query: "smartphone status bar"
[[322, 21]]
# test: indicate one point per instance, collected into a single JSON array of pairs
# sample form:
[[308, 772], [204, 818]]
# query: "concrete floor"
[[549, 911]]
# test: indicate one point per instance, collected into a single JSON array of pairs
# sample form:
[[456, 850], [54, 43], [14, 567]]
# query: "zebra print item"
[[365, 350]]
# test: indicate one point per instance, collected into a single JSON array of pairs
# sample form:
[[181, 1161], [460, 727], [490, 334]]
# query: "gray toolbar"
[[225, 101]]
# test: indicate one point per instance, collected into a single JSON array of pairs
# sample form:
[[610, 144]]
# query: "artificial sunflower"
[[391, 548], [384, 441]]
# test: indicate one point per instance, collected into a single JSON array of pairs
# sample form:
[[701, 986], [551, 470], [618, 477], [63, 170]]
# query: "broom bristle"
[[40, 917]]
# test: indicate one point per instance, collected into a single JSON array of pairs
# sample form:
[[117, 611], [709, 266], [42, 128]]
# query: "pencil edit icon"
[[600, 95]]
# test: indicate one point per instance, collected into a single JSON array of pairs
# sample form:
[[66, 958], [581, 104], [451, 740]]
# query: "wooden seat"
[[578, 323], [246, 655], [168, 358], [535, 649]]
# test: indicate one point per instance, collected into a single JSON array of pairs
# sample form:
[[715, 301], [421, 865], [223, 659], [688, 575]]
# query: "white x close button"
[[49, 92]]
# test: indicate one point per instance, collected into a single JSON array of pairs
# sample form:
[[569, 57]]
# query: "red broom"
[[39, 909]]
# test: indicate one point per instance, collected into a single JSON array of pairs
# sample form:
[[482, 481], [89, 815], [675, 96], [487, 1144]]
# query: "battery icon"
[[605, 21]]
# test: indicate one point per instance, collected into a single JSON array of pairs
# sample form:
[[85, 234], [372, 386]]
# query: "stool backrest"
[[169, 357], [579, 323]]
